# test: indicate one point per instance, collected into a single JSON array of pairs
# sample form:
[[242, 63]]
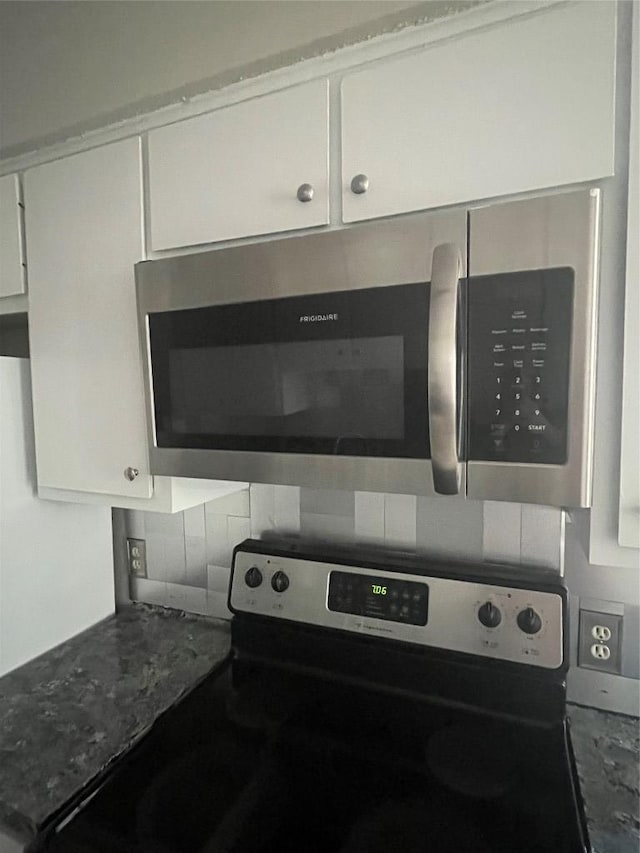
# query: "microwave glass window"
[[344, 389], [336, 373]]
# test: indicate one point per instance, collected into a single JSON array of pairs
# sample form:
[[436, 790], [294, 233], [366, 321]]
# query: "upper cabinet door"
[[84, 225], [524, 105], [257, 167], [11, 261]]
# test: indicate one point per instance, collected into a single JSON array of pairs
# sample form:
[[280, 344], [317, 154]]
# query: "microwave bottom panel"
[[552, 485], [353, 473]]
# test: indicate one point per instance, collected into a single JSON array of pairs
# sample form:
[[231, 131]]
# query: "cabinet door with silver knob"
[[210, 181], [359, 184], [445, 125], [305, 192]]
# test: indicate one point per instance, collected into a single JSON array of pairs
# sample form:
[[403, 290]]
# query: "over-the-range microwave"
[[434, 353]]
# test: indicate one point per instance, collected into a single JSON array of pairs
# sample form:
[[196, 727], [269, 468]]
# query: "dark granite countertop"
[[67, 714], [606, 751]]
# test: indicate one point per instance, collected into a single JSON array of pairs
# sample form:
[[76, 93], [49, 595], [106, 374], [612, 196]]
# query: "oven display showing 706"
[[393, 600]]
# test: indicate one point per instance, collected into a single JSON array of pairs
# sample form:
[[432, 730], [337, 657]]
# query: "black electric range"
[[374, 702]]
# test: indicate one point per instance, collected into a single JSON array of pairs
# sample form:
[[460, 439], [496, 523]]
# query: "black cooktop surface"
[[328, 768]]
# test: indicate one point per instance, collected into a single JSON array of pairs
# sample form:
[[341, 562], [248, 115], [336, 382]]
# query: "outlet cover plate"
[[593, 629], [137, 556]]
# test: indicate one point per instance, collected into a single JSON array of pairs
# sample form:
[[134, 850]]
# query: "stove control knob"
[[489, 615], [253, 577], [280, 582], [529, 621]]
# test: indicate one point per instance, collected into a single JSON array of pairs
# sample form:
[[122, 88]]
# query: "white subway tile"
[[327, 502], [166, 558], [194, 521], [542, 536], [188, 598], [148, 591], [196, 558], [369, 517], [217, 605], [287, 508], [501, 531], [450, 526], [234, 504], [218, 578], [400, 521], [263, 509], [327, 527], [218, 551], [164, 523], [238, 529], [177, 596], [196, 600]]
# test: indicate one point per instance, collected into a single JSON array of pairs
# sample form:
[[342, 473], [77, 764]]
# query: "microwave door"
[[307, 360], [532, 295]]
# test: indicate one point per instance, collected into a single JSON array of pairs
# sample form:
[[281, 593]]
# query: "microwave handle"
[[446, 271]]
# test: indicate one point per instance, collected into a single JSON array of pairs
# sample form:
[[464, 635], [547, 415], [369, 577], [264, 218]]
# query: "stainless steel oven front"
[[444, 352]]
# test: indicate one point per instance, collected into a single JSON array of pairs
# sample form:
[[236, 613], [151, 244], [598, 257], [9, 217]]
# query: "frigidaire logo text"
[[317, 318]]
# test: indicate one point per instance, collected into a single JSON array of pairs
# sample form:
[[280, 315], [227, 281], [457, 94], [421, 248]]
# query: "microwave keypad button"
[[519, 346]]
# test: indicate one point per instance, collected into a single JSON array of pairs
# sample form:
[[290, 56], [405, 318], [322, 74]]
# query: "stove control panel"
[[507, 623]]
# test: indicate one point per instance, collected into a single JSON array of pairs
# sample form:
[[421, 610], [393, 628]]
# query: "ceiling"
[[68, 67]]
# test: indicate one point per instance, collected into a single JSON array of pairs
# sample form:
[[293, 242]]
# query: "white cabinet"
[[236, 172], [85, 233], [525, 104], [84, 225], [12, 279]]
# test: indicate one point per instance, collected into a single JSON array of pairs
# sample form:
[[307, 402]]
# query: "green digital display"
[[379, 597]]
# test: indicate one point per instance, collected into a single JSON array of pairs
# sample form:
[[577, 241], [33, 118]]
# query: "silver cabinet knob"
[[359, 184], [131, 473], [305, 192]]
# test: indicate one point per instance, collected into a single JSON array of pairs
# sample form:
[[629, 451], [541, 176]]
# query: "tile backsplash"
[[189, 553]]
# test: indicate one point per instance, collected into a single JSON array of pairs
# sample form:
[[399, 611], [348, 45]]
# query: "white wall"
[[56, 570], [66, 67]]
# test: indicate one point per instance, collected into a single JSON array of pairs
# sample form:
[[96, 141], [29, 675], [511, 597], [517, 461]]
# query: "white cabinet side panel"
[[526, 104], [84, 235], [629, 523], [11, 269], [235, 172], [56, 560]]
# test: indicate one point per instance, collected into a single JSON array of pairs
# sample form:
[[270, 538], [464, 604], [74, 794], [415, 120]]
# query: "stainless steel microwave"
[[435, 353]]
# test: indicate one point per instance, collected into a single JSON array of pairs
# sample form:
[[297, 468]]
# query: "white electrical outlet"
[[137, 553], [601, 633], [600, 652], [600, 640]]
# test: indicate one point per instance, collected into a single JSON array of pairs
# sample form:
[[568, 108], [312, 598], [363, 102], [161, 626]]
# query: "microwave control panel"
[[519, 348]]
